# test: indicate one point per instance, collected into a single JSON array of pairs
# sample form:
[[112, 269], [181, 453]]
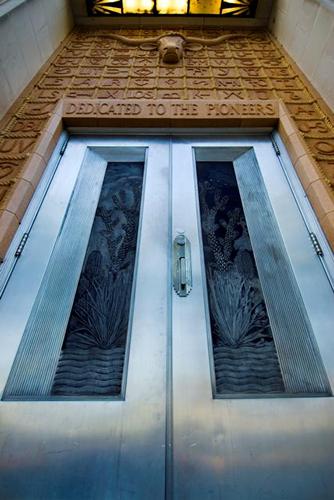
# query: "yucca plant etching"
[[243, 347], [92, 358], [238, 310], [100, 314]]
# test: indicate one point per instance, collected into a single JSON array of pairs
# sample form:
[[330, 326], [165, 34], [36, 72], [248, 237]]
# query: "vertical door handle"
[[182, 278]]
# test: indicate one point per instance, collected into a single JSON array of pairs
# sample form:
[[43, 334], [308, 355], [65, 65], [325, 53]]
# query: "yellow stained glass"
[[138, 6], [106, 7], [240, 7], [205, 7], [172, 6]]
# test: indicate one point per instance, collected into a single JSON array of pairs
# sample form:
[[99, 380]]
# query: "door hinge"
[[275, 146], [316, 244], [22, 244], [64, 146]]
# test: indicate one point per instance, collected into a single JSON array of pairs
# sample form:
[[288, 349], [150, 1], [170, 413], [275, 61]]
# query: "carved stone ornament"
[[171, 45], [90, 78]]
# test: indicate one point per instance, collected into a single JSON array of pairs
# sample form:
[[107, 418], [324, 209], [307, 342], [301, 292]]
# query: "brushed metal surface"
[[299, 357], [236, 449], [37, 358], [94, 449], [259, 448], [30, 215], [304, 206]]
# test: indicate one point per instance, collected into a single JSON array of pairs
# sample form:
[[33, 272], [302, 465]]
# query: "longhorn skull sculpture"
[[171, 45]]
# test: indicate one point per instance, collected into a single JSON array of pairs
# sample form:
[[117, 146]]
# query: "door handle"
[[182, 278]]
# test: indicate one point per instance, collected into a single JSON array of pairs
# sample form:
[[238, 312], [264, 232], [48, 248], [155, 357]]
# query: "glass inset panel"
[[172, 6], [245, 358], [240, 8], [138, 6], [107, 7], [93, 352], [204, 7]]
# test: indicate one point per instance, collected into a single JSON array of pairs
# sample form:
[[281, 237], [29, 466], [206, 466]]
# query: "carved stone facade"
[[250, 70]]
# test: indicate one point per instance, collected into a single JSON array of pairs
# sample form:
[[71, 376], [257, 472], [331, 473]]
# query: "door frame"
[[304, 207], [15, 413], [231, 115]]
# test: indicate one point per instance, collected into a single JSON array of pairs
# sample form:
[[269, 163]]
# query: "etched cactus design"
[[121, 221], [243, 347], [92, 357]]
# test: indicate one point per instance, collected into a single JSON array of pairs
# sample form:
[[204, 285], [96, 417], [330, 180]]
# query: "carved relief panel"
[[146, 64]]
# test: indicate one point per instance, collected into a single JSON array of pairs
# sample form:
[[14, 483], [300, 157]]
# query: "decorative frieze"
[[216, 79]]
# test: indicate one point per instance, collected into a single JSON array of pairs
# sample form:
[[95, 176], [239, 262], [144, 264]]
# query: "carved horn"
[[131, 41], [211, 41]]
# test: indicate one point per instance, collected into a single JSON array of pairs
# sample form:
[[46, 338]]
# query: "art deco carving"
[[171, 45], [93, 64]]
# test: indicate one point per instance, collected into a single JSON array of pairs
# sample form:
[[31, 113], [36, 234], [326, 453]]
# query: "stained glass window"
[[229, 8]]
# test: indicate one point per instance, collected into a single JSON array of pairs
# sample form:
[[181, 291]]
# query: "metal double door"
[[169, 435]]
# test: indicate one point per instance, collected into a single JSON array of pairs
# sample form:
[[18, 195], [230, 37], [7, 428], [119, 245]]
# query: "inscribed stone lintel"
[[228, 112], [85, 112]]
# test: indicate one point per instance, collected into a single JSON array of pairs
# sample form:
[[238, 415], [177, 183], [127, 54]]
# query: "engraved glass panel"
[[93, 352], [245, 358]]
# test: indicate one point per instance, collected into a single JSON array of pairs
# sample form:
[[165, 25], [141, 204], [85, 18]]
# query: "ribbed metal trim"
[[36, 361], [298, 353]]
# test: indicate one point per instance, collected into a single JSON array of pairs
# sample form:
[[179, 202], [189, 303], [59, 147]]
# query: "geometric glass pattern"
[[225, 8]]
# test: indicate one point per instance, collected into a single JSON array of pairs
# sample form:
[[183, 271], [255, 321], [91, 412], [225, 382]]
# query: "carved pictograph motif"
[[171, 45], [244, 352], [142, 64], [8, 170], [92, 358]]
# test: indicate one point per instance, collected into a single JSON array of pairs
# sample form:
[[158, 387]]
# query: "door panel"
[[95, 448], [242, 448], [97, 239], [168, 435]]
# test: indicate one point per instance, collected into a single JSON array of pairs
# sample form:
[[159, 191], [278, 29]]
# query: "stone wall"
[[90, 66], [306, 30], [29, 35]]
